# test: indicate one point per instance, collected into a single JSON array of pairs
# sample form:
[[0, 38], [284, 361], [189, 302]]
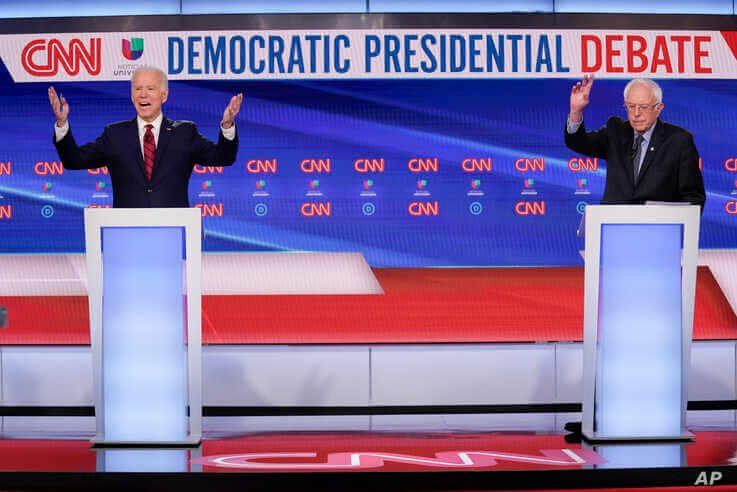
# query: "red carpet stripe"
[[419, 306]]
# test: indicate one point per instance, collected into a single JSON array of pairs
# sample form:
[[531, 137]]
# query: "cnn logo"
[[310, 166], [578, 165], [316, 209], [530, 208], [262, 166], [42, 57], [210, 209], [45, 168], [200, 169], [6, 168], [420, 165], [423, 209], [525, 165], [100, 170], [477, 165], [364, 165]]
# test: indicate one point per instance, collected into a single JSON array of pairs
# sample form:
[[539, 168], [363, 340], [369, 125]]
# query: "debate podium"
[[144, 275], [640, 279]]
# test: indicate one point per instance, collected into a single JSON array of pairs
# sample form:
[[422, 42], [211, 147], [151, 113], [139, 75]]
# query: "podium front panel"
[[639, 285], [144, 353], [639, 331], [144, 284]]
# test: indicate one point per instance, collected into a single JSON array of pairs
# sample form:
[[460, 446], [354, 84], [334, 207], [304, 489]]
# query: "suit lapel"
[[628, 138], [134, 142], [652, 148], [165, 133]]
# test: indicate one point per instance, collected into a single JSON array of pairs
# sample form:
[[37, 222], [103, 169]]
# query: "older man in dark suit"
[[647, 159], [150, 158]]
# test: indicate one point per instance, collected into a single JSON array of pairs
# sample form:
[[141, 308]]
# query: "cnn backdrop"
[[415, 147]]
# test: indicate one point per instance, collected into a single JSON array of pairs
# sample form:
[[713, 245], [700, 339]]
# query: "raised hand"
[[231, 110], [580, 97], [59, 106]]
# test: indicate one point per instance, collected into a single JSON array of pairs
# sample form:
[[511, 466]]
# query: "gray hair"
[[655, 89], [151, 68]]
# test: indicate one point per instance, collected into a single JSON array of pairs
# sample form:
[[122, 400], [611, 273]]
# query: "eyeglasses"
[[642, 108]]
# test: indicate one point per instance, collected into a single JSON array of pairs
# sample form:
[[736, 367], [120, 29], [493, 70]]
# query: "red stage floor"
[[418, 306], [374, 461]]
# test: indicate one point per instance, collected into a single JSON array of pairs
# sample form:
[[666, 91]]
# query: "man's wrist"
[[228, 132], [226, 125], [61, 123], [575, 116]]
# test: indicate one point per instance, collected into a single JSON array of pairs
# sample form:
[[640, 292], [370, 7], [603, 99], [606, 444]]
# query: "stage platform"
[[321, 373], [325, 334], [424, 452]]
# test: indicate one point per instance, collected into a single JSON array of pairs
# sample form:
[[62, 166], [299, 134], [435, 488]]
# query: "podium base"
[[192, 441], [592, 437]]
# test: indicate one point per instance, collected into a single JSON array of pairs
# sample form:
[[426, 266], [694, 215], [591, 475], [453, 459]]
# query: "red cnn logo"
[[199, 169], [265, 166], [210, 209], [98, 171], [44, 168], [6, 168], [42, 57], [579, 165], [316, 165], [481, 165], [420, 165], [316, 209], [731, 207], [418, 209], [6, 211], [530, 208], [369, 165], [523, 164], [730, 164]]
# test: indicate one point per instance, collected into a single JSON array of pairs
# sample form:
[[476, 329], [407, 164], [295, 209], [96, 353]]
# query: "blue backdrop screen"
[[410, 172]]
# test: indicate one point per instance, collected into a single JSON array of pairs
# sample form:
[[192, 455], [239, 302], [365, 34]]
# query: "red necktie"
[[149, 151]]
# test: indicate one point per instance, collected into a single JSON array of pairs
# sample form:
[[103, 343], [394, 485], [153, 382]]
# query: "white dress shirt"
[[61, 132]]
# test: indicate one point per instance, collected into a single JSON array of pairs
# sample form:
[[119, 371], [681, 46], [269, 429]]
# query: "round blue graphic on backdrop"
[[368, 208], [261, 209], [47, 211]]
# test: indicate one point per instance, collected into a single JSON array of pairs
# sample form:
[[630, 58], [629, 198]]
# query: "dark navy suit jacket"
[[179, 148], [669, 173]]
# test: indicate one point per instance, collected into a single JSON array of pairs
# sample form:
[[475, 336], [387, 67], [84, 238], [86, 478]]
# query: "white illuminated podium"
[[144, 274], [640, 280]]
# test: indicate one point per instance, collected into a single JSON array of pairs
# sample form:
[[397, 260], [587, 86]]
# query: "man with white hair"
[[150, 158], [647, 159]]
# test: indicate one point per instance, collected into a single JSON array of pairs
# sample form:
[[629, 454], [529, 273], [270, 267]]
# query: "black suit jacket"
[[669, 173], [179, 148]]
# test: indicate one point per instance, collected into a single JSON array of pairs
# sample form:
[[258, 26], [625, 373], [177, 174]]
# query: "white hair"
[[151, 68], [655, 89]]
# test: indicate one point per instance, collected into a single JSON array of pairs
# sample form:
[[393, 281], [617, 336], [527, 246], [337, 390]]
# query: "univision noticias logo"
[[368, 188], [133, 48]]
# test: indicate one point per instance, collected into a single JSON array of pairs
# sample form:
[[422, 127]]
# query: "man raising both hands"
[[150, 158]]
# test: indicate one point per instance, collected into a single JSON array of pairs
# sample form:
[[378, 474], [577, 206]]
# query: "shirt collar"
[[649, 133], [156, 123]]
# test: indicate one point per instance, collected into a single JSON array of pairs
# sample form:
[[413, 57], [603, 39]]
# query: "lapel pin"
[[652, 148]]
